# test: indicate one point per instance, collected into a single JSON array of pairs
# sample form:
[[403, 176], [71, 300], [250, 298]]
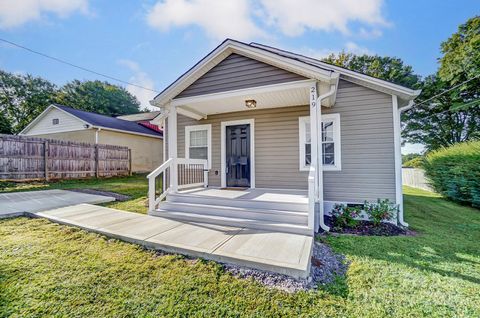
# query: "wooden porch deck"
[[265, 209]]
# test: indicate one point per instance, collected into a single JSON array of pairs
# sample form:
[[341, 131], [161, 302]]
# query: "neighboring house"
[[66, 123], [143, 119], [250, 114]]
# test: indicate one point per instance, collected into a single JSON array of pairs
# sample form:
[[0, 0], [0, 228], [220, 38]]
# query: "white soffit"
[[269, 99]]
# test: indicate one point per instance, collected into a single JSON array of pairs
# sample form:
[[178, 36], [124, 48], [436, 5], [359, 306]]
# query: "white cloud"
[[354, 48], [370, 34], [349, 47], [295, 17], [14, 13], [139, 78], [219, 19], [249, 19]]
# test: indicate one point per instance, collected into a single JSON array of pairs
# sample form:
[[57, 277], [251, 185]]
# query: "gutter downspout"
[[410, 104], [96, 135], [319, 168]]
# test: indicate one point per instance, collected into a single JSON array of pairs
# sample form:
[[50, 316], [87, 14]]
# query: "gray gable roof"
[[109, 122]]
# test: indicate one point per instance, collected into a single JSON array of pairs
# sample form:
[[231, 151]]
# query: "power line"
[[76, 66], [448, 90]]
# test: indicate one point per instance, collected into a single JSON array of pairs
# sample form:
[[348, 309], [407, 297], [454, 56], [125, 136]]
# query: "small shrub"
[[382, 210], [454, 172], [345, 216]]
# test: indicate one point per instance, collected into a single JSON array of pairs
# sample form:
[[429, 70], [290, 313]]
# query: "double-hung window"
[[198, 142], [330, 142]]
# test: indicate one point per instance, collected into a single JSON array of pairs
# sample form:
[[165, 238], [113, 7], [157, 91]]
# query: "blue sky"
[[152, 42]]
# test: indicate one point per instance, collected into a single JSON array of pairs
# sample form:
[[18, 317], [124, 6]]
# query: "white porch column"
[[172, 146], [313, 132]]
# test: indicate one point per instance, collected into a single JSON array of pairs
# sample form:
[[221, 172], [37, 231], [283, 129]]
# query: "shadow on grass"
[[447, 243]]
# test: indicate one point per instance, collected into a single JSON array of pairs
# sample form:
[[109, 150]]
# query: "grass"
[[53, 270]]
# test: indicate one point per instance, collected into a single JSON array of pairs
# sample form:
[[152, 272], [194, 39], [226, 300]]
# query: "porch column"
[[316, 152], [172, 146]]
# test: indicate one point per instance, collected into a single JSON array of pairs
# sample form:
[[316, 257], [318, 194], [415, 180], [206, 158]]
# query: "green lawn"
[[48, 269]]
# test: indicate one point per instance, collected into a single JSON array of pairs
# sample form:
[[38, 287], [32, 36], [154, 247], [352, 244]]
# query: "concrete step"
[[241, 203], [231, 221], [282, 216]]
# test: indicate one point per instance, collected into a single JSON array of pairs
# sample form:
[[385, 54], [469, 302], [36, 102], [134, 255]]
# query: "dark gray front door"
[[238, 155]]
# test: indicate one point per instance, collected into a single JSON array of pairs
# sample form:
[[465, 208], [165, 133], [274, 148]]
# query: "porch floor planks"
[[269, 195], [279, 252]]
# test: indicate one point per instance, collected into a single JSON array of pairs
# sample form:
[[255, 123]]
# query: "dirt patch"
[[117, 196], [368, 228]]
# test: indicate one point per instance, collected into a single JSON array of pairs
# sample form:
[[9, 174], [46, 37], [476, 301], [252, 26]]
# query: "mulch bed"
[[367, 228], [117, 196]]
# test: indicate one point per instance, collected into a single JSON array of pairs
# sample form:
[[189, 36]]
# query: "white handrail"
[[160, 169], [152, 201], [170, 163]]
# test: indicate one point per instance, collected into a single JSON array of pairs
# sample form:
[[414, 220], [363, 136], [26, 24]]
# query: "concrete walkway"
[[18, 203], [273, 251]]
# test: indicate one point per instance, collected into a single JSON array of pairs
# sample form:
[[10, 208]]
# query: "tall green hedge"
[[455, 172]]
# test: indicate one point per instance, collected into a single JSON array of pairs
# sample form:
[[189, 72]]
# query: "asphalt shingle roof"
[[109, 122]]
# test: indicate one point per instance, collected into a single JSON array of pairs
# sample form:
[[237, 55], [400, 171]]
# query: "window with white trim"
[[198, 141], [330, 142]]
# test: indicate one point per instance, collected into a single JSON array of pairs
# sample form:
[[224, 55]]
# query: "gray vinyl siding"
[[368, 159], [276, 145], [237, 72], [366, 125]]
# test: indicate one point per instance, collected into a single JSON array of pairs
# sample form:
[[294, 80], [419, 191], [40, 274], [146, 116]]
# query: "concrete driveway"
[[17, 203]]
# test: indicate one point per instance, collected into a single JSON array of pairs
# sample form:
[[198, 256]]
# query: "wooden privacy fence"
[[29, 158]]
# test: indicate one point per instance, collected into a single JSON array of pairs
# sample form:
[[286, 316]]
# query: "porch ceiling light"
[[250, 103]]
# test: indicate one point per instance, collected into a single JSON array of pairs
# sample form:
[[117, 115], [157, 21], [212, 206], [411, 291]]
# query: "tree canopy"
[[99, 97], [391, 69], [454, 116], [24, 97]]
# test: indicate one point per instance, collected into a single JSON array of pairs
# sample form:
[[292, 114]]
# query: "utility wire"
[[447, 90], [76, 66]]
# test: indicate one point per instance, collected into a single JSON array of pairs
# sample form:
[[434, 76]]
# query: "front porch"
[[242, 149]]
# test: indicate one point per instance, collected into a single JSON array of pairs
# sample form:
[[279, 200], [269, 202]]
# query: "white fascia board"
[[126, 132], [229, 47], [396, 89]]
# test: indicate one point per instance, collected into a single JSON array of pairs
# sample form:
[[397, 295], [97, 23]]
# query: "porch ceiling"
[[266, 97]]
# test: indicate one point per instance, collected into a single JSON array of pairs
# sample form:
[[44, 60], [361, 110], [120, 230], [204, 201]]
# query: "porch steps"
[[288, 217]]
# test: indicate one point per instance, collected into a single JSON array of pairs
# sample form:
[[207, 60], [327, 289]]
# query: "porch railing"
[[190, 173]]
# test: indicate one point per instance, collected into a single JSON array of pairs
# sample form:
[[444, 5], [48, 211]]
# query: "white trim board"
[[224, 125], [208, 128], [397, 142]]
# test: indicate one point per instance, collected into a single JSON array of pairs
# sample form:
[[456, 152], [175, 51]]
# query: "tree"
[[5, 127], [22, 98], [453, 116], [391, 69], [97, 96]]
